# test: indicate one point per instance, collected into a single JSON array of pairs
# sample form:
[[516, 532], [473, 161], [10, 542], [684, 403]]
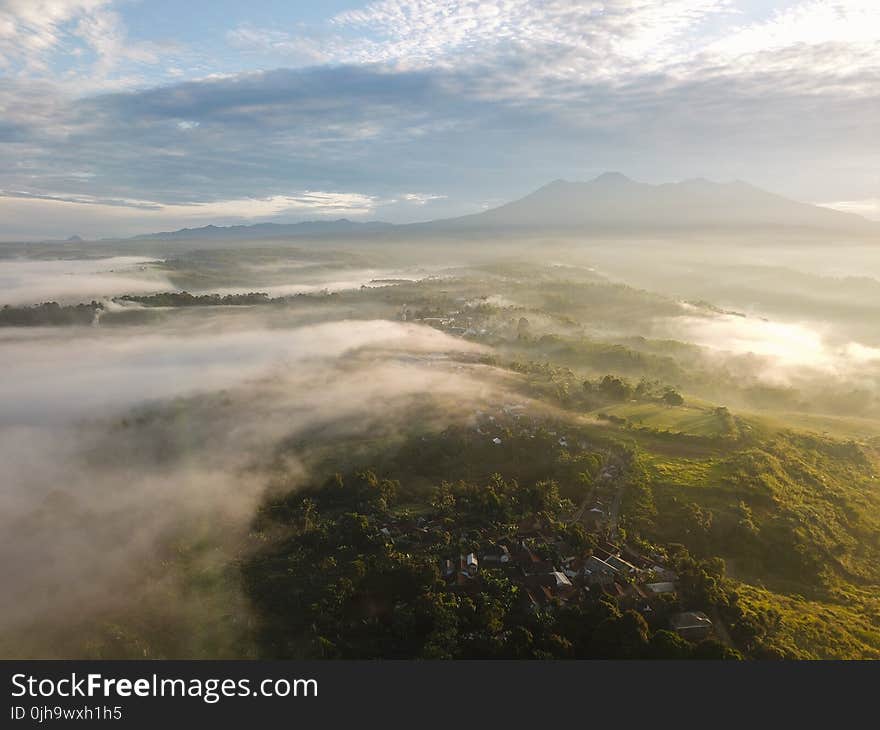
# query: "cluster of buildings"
[[634, 581], [514, 417], [469, 319]]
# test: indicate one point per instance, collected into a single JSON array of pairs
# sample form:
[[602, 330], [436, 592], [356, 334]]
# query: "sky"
[[120, 117]]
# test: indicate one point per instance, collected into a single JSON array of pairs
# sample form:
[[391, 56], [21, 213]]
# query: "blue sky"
[[125, 116]]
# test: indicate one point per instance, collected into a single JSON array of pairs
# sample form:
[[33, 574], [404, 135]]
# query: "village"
[[471, 317], [538, 555], [631, 579]]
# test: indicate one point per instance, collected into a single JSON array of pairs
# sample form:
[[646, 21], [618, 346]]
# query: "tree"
[[672, 397], [701, 584], [620, 637], [668, 645], [615, 388], [711, 649]]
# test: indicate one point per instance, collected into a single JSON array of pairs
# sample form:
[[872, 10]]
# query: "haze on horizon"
[[117, 121]]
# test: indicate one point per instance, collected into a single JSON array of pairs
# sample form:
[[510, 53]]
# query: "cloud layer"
[[404, 109], [107, 477], [26, 281]]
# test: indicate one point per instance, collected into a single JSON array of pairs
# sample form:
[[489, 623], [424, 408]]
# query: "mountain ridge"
[[339, 225], [609, 203]]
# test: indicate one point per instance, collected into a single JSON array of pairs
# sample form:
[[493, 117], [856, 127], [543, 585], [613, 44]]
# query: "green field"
[[688, 419]]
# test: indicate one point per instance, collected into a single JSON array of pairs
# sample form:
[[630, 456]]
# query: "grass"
[[796, 516], [688, 419], [845, 427], [809, 629]]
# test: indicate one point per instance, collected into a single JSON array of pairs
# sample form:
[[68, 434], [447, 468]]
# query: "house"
[[573, 567], [597, 571], [596, 563], [560, 581], [594, 516], [497, 554], [633, 556], [663, 574], [691, 625], [621, 565], [532, 601], [532, 564], [548, 586], [660, 589], [616, 590], [609, 547], [471, 564]]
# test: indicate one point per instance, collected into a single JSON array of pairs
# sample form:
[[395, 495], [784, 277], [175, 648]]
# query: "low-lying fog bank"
[[60, 374], [132, 457], [31, 281], [788, 350]]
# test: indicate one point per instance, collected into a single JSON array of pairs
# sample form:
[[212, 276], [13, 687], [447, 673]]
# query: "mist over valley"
[[175, 411]]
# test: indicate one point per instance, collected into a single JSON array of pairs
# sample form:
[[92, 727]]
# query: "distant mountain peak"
[[697, 181], [612, 178], [613, 202]]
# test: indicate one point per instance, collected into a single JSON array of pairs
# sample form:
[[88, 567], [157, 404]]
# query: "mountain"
[[611, 203], [270, 230], [614, 202]]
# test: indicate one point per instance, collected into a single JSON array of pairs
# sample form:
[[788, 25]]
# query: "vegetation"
[[339, 584], [50, 314], [185, 299], [756, 498]]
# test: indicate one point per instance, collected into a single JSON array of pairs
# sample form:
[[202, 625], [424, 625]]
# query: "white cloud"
[[312, 202], [301, 49], [421, 198], [515, 91], [811, 23], [589, 39], [529, 44], [58, 216], [40, 38], [824, 42]]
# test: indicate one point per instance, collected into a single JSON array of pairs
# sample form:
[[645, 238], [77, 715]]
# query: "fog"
[[118, 444], [788, 348], [24, 281], [58, 375], [308, 283], [29, 281], [136, 452]]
